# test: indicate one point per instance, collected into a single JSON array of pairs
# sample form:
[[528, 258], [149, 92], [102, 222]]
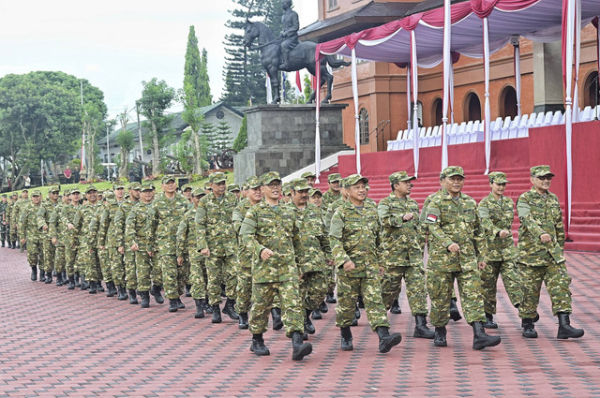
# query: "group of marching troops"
[[283, 249]]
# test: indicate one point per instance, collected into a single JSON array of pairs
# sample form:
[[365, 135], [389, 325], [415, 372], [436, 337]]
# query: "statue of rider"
[[290, 26]]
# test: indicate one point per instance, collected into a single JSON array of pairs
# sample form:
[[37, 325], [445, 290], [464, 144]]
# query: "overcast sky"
[[117, 44]]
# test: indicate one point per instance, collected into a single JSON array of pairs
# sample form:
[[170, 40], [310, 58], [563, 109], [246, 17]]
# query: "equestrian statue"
[[286, 53]]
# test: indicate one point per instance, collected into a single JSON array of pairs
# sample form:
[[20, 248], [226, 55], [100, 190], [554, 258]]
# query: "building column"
[[547, 77]]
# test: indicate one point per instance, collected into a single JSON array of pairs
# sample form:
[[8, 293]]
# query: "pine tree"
[[223, 136], [209, 132]]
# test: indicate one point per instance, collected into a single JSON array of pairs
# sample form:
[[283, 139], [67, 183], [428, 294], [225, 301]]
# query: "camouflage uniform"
[[245, 258], [354, 236], [215, 232], [142, 273], [86, 223], [28, 230], [71, 239], [42, 221], [58, 230], [3, 221], [273, 227], [9, 222], [454, 220], [165, 215], [129, 260], [495, 216], [111, 227], [401, 250], [16, 216], [188, 250]]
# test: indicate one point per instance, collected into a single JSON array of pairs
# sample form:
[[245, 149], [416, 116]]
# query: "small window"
[[220, 114], [332, 4], [437, 112], [472, 108], [363, 122], [591, 91], [508, 102]]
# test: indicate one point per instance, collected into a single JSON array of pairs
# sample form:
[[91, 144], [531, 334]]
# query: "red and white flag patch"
[[432, 218]]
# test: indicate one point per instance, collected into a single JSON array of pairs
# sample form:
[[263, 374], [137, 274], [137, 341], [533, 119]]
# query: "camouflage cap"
[[25, 190], [198, 192], [287, 189], [269, 177], [541, 170], [36, 193], [253, 182], [453, 171], [54, 189], [147, 186], [135, 186], [334, 177], [217, 177], [498, 177], [307, 174], [66, 192], [119, 186], [233, 188], [90, 188], [401, 176], [110, 196], [207, 185], [166, 179], [354, 179], [299, 184], [315, 191], [74, 190], [185, 187]]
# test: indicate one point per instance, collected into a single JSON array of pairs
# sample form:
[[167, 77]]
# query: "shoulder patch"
[[432, 217]]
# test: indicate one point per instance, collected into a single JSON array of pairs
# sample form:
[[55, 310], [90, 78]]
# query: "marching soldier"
[[496, 212], [401, 252], [269, 230], [86, 225], [354, 239], [16, 215], [72, 240], [310, 178], [108, 230], [456, 251], [128, 255], [3, 220], [541, 254], [30, 234], [57, 231]]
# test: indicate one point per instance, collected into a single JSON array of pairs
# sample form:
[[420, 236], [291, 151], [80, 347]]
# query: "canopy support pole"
[[568, 103], [446, 77], [356, 115], [317, 117], [408, 96], [486, 62], [415, 82], [517, 63]]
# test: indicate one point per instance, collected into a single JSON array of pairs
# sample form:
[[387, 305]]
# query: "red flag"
[[313, 82], [298, 82]]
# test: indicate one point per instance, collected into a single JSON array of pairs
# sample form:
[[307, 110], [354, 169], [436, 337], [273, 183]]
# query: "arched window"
[[363, 122], [591, 90], [508, 102], [437, 112], [472, 110]]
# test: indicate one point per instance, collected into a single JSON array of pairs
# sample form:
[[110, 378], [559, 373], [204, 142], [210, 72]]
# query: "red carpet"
[[545, 145]]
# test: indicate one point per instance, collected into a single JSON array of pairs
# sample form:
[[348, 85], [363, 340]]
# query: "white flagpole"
[[517, 62], [447, 65], [415, 82], [568, 101], [356, 115], [408, 96], [488, 113]]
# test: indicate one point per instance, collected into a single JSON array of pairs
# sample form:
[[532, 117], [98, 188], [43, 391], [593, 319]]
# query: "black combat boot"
[[71, 282], [110, 289], [34, 273], [76, 277], [216, 315], [421, 329], [99, 286], [42, 275], [132, 297], [59, 279], [122, 293], [361, 303], [299, 348], [323, 308], [481, 339], [243, 320], [145, 303], [276, 314], [93, 287], [354, 321], [180, 304], [454, 313], [173, 305], [387, 340], [395, 309], [330, 298], [84, 284], [258, 346], [565, 330], [188, 293], [207, 307], [65, 277], [489, 322], [308, 326], [229, 309], [439, 339], [155, 291], [48, 277], [528, 328], [199, 308], [346, 338], [357, 311], [316, 314]]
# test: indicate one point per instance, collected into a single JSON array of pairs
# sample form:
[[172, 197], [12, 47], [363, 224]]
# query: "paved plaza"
[[61, 343]]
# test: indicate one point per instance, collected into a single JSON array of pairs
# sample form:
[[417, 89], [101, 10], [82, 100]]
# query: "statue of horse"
[[302, 56]]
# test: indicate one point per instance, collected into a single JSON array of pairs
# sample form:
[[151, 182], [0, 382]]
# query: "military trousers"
[[4, 233], [117, 267], [244, 281], [416, 292], [331, 280], [88, 261], [172, 275], [105, 271], [59, 259], [48, 255], [71, 259], [218, 267], [313, 288], [557, 282], [197, 279], [13, 233], [263, 295], [512, 279], [440, 284], [34, 252], [130, 269], [348, 290], [143, 268]]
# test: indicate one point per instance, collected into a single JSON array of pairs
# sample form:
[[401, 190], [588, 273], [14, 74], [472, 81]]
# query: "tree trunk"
[[197, 154], [156, 169], [123, 170]]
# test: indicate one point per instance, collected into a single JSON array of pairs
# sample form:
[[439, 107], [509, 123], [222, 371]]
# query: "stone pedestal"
[[547, 77], [282, 138]]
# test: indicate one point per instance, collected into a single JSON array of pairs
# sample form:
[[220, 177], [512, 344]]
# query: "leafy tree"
[[307, 89], [156, 99], [126, 140], [241, 141], [42, 117]]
